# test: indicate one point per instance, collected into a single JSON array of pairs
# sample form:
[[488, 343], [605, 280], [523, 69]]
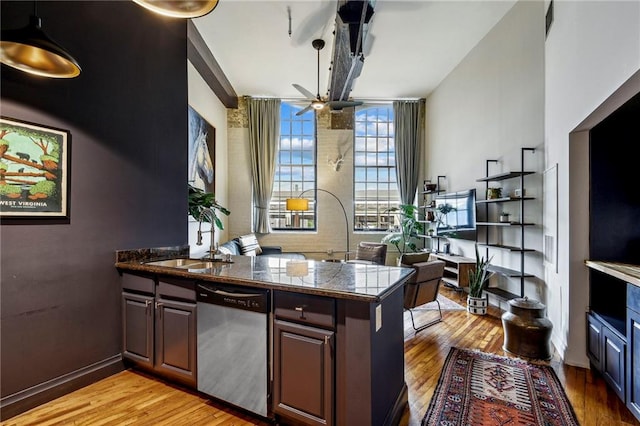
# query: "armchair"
[[424, 285]]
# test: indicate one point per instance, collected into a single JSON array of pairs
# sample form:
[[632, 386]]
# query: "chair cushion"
[[409, 259], [373, 252], [249, 245]]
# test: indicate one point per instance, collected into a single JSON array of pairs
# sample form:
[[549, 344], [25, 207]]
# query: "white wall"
[[203, 100], [592, 49], [490, 107]]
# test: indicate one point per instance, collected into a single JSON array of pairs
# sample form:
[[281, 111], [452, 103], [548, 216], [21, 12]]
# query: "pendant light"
[[30, 50], [179, 8]]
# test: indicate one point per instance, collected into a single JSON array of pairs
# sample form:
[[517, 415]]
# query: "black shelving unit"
[[426, 207], [520, 226]]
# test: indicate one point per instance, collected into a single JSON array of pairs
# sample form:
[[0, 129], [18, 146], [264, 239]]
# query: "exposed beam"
[[203, 61], [351, 23]]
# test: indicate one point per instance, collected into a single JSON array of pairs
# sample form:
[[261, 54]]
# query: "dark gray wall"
[[127, 114]]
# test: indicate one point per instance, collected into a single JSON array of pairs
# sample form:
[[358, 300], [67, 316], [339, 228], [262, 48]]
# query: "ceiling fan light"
[[317, 104], [30, 50], [179, 8]]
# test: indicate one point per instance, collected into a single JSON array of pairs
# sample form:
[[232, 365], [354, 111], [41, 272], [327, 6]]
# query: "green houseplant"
[[200, 200], [478, 279], [405, 240]]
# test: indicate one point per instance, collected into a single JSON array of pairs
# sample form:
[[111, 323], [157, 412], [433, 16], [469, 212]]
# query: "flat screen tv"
[[455, 214]]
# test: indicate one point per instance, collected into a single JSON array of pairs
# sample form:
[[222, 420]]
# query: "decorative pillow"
[[249, 245]]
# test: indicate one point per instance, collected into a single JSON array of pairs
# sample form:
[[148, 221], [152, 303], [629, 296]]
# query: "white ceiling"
[[414, 44]]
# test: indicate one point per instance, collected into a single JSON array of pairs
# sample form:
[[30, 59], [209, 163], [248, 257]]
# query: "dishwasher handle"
[[244, 298]]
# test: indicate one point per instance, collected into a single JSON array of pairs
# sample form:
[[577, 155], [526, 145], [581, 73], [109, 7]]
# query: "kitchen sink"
[[174, 263]]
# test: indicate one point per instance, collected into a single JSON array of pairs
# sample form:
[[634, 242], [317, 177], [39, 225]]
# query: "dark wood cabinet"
[[159, 333], [633, 362], [175, 339], [606, 348], [137, 332], [304, 358], [613, 360], [613, 329], [304, 373]]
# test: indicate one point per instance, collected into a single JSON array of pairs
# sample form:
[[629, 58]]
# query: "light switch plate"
[[378, 317]]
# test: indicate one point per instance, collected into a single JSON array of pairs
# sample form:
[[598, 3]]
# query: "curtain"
[[264, 133], [408, 122]]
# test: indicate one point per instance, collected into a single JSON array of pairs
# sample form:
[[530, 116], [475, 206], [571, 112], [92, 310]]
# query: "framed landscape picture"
[[34, 170]]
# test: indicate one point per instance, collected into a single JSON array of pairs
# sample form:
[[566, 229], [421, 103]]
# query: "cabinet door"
[[633, 362], [176, 340], [594, 341], [303, 373], [613, 361], [137, 333]]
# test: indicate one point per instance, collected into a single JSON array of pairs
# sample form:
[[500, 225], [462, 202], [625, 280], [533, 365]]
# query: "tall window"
[[295, 170], [374, 164]]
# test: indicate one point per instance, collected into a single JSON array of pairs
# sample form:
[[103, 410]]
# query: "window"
[[295, 169], [374, 165]]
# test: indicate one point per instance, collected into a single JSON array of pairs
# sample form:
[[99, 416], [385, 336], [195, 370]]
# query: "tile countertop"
[[623, 271], [369, 283]]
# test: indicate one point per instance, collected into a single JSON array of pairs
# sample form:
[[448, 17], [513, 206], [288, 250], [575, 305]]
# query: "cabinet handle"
[[326, 340], [146, 306], [159, 305], [301, 310]]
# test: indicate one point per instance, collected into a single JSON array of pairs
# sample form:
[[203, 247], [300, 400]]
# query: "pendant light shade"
[[30, 50], [179, 8]]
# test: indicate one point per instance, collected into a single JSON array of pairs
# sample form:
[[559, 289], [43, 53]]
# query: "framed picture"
[[34, 170], [202, 148]]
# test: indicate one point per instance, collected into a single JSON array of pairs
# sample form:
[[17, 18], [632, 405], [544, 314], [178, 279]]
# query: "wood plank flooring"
[[133, 398]]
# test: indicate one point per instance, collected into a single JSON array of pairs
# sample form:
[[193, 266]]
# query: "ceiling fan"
[[317, 102]]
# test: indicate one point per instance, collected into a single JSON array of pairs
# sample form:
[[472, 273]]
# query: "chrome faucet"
[[207, 212]]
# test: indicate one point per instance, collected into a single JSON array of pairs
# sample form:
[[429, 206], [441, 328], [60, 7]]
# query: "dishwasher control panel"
[[245, 298]]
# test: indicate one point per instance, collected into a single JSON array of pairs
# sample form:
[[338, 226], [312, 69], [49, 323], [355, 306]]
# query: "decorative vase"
[[477, 305], [504, 218]]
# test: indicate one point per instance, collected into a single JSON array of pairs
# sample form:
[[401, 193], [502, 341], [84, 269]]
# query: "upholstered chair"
[[424, 285], [370, 254]]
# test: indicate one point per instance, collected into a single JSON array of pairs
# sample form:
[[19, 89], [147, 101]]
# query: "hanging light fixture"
[[179, 8], [31, 50]]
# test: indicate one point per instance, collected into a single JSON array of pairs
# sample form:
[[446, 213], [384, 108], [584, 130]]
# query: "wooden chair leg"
[[430, 323]]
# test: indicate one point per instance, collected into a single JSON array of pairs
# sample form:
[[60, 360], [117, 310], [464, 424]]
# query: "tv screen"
[[455, 214]]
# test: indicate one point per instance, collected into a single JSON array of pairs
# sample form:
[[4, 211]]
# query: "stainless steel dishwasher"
[[233, 350]]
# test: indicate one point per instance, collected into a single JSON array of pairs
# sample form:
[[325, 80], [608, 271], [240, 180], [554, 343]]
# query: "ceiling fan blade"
[[302, 111], [338, 105], [304, 91]]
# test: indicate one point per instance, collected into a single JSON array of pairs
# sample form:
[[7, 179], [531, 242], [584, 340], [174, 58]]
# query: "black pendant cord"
[[318, 79], [35, 8]]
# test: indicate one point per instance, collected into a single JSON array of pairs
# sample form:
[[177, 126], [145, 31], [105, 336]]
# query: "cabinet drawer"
[[305, 309], [138, 283], [177, 290]]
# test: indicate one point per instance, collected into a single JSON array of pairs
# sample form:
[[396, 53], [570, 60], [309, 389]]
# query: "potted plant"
[[478, 279], [200, 200], [406, 238]]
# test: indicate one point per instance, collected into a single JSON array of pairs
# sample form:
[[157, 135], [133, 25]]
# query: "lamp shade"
[[30, 50], [179, 8], [299, 204]]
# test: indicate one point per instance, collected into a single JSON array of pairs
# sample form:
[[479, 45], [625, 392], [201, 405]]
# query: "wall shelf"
[[488, 225]]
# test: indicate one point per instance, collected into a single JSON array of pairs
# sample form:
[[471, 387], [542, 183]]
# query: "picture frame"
[[202, 149], [34, 170]]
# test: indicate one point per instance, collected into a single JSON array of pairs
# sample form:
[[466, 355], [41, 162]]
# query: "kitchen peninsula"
[[328, 336]]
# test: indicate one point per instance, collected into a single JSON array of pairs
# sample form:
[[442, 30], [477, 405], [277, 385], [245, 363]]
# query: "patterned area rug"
[[479, 389]]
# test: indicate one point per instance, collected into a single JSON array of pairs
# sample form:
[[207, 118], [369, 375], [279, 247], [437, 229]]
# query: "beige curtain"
[[264, 134], [408, 121]]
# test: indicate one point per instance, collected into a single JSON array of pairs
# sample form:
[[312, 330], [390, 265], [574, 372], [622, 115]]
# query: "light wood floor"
[[132, 398]]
